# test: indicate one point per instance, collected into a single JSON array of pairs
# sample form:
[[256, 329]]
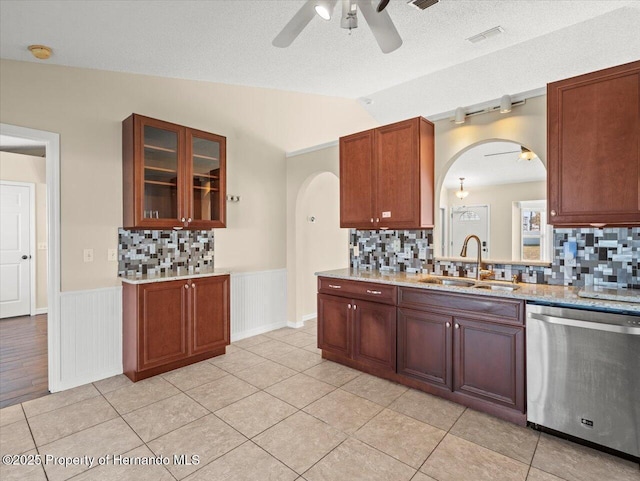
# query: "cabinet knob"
[[355, 307], [553, 213], [349, 306], [372, 220], [457, 326], [377, 219], [186, 286], [189, 219], [448, 324], [193, 285], [182, 219]]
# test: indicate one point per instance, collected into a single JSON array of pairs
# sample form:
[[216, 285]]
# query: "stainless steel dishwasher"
[[583, 374]]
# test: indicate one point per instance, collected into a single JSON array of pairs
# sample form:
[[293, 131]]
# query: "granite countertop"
[[563, 295], [172, 276]]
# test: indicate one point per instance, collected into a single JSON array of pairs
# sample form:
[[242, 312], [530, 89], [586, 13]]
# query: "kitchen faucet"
[[481, 273]]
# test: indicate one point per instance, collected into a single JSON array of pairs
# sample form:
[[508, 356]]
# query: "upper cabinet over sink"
[[594, 148], [386, 177], [173, 176]]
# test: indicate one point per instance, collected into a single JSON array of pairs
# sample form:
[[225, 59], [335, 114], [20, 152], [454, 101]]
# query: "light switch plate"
[[112, 254], [88, 255], [356, 250]]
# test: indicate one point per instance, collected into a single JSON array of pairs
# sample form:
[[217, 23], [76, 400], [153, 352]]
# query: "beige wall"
[[324, 244], [26, 168], [524, 125], [301, 170], [86, 107], [500, 199]]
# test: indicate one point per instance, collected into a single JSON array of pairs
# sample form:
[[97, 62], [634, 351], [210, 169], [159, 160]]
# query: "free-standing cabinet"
[[173, 176], [386, 177], [170, 324], [593, 125]]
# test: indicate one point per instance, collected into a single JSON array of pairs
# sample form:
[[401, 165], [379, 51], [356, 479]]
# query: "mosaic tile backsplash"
[[159, 251], [609, 257]]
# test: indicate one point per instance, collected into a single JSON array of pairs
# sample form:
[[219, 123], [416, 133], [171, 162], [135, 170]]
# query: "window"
[[534, 231]]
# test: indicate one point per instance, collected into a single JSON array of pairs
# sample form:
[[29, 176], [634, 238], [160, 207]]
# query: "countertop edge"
[[166, 278], [561, 295]]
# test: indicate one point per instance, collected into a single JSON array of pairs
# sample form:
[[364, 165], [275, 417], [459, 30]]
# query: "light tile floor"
[[273, 409]]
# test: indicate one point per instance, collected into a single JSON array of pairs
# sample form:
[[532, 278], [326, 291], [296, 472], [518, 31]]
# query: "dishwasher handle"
[[598, 326]]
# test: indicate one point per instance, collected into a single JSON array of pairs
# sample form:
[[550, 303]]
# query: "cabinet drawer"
[[369, 291], [493, 308]]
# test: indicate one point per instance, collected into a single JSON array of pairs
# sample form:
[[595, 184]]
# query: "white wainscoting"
[[90, 336], [258, 302]]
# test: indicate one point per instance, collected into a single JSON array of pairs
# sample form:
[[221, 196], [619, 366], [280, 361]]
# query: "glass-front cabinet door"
[[206, 174]]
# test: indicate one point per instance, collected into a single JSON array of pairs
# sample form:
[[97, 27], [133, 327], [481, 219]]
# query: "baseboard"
[[237, 336], [40, 310], [308, 317], [295, 325]]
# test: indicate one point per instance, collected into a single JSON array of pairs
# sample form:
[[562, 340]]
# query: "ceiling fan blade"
[[381, 26], [502, 153], [296, 25]]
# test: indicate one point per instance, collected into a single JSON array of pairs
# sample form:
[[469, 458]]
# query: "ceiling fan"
[[524, 154], [377, 18]]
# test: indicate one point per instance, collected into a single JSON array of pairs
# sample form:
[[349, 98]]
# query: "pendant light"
[[461, 194]]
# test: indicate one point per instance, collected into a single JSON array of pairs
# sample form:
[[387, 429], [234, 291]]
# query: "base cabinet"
[[469, 346], [361, 331], [171, 324]]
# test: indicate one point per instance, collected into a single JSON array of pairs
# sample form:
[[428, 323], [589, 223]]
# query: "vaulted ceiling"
[[435, 70]]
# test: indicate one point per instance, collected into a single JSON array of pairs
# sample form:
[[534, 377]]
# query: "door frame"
[[52, 149], [32, 239]]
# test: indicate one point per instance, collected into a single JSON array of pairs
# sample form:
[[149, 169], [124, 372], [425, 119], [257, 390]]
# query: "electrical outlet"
[[356, 250], [112, 254], [88, 255]]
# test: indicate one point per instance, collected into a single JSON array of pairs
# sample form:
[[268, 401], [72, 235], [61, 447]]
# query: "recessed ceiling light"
[[41, 52]]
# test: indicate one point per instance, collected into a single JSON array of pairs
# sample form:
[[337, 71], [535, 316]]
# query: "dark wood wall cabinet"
[[171, 324], [593, 159], [387, 177], [468, 349], [173, 176]]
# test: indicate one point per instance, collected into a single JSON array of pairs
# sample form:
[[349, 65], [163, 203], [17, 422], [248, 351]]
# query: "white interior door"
[[470, 219], [15, 255]]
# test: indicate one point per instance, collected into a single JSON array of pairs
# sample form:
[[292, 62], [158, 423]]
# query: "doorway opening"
[[29, 257]]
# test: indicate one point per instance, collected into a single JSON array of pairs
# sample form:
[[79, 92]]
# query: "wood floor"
[[23, 359]]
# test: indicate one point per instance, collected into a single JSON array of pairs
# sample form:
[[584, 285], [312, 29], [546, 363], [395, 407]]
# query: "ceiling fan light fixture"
[[526, 154], [505, 104], [324, 9], [460, 116]]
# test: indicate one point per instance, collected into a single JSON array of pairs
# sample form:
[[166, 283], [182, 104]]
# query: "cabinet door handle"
[[186, 286], [448, 324], [335, 287], [374, 292], [457, 326]]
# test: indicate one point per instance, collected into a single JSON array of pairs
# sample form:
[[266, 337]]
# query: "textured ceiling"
[[229, 41]]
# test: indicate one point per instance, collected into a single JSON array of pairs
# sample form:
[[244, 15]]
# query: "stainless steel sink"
[[448, 281], [496, 286]]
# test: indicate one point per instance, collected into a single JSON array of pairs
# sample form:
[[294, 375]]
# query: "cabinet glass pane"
[[160, 173], [206, 179]]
